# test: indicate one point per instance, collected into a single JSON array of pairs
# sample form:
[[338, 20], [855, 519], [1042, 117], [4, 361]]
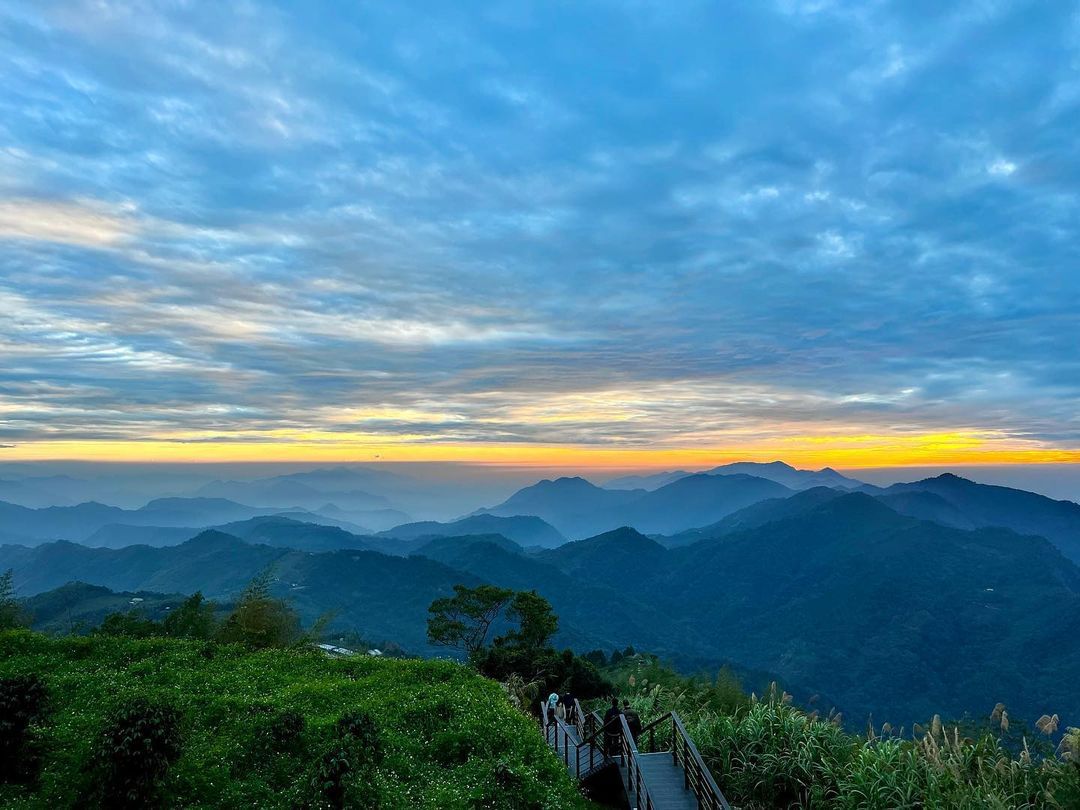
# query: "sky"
[[609, 234]]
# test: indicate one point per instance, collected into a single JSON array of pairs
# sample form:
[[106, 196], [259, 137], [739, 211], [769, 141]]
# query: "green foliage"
[[193, 619], [598, 658], [232, 700], [547, 668], [259, 621], [359, 730], [463, 620], [537, 622], [11, 614], [137, 747], [770, 754], [130, 623], [23, 702], [655, 687]]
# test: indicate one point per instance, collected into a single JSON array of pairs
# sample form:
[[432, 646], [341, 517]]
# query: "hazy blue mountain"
[[695, 500], [525, 530], [646, 482], [118, 535], [574, 506], [376, 519], [579, 509], [38, 491], [927, 506], [84, 521], [623, 554], [839, 593], [289, 490], [757, 514], [213, 562], [777, 471], [1016, 509], [600, 610], [386, 596], [283, 532], [892, 615], [58, 522], [787, 475], [449, 549]]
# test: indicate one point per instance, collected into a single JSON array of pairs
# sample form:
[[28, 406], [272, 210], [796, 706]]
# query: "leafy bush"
[[130, 624], [23, 702], [135, 751], [330, 781], [358, 729], [285, 729]]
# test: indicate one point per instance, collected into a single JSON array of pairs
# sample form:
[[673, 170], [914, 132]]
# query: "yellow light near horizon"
[[847, 451]]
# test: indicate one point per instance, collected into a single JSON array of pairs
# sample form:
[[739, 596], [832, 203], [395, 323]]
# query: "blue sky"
[[383, 228]]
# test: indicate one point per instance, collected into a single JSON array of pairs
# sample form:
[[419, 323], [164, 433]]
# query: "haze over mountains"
[[940, 595]]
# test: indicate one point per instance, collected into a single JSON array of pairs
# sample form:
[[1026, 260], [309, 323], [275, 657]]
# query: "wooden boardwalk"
[[673, 778], [665, 783]]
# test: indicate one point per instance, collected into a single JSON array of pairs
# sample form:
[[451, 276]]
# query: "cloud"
[[83, 223], [566, 226]]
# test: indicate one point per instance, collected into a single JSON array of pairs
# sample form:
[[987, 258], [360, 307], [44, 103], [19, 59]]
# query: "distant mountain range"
[[941, 595], [108, 523], [526, 530], [578, 508], [885, 613], [776, 471]]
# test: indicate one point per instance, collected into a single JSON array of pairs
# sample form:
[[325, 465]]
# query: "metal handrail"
[[557, 735], [634, 783], [590, 731], [709, 795]]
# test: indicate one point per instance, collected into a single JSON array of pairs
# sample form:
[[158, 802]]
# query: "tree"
[[193, 619], [463, 620], [598, 658], [131, 624], [11, 613], [259, 620], [537, 622]]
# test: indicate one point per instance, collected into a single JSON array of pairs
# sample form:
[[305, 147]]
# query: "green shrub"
[[285, 729], [23, 702], [135, 751], [358, 730]]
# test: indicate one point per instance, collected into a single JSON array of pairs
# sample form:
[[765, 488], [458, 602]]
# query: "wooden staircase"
[[668, 775]]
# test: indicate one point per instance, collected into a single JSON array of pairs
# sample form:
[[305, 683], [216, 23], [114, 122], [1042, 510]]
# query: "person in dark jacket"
[[633, 720], [571, 708], [612, 728]]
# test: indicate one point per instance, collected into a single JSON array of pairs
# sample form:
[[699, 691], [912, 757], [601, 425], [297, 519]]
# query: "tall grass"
[[767, 753]]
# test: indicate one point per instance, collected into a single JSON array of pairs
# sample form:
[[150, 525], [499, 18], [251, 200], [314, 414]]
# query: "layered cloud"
[[606, 226]]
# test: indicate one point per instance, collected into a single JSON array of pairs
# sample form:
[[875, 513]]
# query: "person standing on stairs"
[[552, 703], [612, 728]]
